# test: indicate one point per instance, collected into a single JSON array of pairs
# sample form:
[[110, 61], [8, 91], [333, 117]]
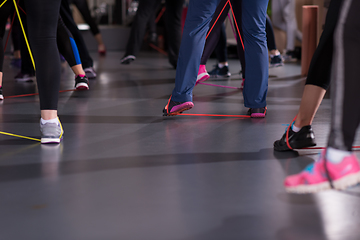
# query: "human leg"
[[338, 167], [42, 19], [196, 26], [173, 25], [256, 53], [317, 82]]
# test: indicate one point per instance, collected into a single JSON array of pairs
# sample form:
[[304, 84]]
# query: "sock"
[[54, 120], [295, 129], [336, 155], [81, 75], [222, 65]]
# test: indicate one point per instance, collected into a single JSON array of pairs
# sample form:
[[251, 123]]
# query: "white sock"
[[336, 155], [54, 120], [222, 65], [295, 129]]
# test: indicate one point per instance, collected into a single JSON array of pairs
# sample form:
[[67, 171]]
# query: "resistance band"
[[3, 3], [19, 136], [34, 94], [215, 115]]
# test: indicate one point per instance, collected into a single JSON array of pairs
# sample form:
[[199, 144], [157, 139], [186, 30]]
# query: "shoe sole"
[[297, 145], [202, 77], [340, 184], [257, 115], [82, 86], [29, 79], [186, 107], [221, 76], [50, 140]]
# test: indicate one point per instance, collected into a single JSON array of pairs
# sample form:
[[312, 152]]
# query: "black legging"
[[83, 8], [213, 38], [220, 47], [42, 20], [66, 44], [320, 66], [5, 12], [66, 16], [270, 36]]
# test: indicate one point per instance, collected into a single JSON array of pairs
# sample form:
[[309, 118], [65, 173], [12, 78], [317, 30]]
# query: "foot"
[[81, 83], [257, 112], [24, 77], [202, 75], [102, 50], [1, 94], [90, 72], [51, 132], [276, 61], [218, 72], [173, 108], [289, 56], [297, 140], [316, 176], [127, 59]]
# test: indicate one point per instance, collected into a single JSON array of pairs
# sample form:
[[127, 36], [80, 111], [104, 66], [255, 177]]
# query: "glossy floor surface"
[[125, 172]]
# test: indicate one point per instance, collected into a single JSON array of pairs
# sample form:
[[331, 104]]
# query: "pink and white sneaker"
[[202, 75], [315, 177]]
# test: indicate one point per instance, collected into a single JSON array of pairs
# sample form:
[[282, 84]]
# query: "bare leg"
[[310, 102], [48, 114], [1, 77], [78, 70], [17, 54]]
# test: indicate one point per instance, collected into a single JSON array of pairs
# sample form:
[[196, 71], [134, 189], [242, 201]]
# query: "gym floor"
[[123, 171]]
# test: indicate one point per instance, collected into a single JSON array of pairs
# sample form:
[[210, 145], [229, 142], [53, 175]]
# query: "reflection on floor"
[[125, 172]]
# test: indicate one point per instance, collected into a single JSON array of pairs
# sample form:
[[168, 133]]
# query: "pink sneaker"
[[314, 177], [202, 74]]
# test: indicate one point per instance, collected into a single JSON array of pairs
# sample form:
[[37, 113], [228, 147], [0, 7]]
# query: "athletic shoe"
[[317, 176], [173, 108], [289, 56], [51, 132], [202, 74], [257, 112], [276, 61], [16, 62], [24, 77], [297, 140], [90, 72], [81, 83], [218, 72], [1, 94], [127, 59]]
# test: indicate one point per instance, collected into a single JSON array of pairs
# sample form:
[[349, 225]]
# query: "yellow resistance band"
[[19, 136], [22, 27], [3, 3]]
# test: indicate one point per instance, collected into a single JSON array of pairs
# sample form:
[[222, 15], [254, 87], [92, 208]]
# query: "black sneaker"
[[25, 77], [257, 112], [289, 56], [81, 83], [1, 94], [297, 140], [276, 61], [173, 108], [127, 59], [218, 72]]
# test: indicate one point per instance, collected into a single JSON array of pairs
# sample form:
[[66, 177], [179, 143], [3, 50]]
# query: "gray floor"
[[125, 172]]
